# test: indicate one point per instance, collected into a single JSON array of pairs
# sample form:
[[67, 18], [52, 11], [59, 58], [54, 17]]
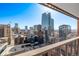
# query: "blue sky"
[[29, 14]]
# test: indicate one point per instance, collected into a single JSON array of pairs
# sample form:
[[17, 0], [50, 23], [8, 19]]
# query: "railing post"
[[78, 35], [71, 48], [58, 51], [50, 53], [75, 47], [66, 50]]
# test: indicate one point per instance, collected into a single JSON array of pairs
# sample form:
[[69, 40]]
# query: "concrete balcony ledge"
[[45, 49], [37, 51]]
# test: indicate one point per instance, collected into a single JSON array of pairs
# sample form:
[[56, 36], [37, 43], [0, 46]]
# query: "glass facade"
[[64, 30], [47, 22]]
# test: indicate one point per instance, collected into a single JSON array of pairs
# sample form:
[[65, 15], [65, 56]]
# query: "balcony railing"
[[67, 47]]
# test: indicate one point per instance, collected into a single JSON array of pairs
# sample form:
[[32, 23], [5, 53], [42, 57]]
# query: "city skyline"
[[26, 28], [29, 14]]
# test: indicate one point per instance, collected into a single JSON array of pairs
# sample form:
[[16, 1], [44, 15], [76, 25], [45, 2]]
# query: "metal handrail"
[[41, 50]]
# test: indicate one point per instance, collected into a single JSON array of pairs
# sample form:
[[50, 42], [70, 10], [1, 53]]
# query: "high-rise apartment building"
[[6, 31], [64, 30], [16, 29], [26, 28], [37, 27]]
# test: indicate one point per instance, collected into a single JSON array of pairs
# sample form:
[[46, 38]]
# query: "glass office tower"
[[47, 22]]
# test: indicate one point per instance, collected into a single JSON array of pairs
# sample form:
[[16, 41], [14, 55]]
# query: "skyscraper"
[[6, 31], [16, 25], [64, 30], [16, 29], [47, 22], [37, 27], [26, 27], [46, 37], [31, 31]]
